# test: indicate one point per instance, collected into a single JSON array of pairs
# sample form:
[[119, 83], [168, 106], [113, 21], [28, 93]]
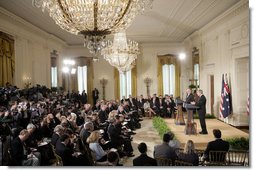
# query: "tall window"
[[82, 78], [168, 73], [125, 84], [53, 76], [196, 73]]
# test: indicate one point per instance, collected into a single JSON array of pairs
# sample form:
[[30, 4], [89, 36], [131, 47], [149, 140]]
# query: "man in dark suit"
[[164, 150], [143, 159], [217, 145], [189, 96], [95, 94], [201, 111], [19, 154]]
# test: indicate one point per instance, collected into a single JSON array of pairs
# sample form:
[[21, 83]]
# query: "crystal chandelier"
[[121, 53], [93, 18]]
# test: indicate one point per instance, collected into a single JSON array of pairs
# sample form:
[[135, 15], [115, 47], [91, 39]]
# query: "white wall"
[[224, 45]]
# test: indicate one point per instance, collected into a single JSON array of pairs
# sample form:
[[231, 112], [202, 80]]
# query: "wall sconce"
[[147, 81], [103, 82], [27, 81]]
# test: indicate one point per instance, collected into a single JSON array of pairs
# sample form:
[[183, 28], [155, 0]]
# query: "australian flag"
[[226, 104]]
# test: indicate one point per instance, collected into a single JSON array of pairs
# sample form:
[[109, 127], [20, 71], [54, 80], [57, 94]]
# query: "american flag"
[[248, 106], [226, 104]]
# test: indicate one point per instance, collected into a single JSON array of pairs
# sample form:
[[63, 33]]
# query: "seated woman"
[[93, 141], [189, 154], [148, 109]]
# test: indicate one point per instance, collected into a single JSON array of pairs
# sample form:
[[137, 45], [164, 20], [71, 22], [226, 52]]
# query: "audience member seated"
[[189, 154], [174, 143], [143, 159], [217, 145], [93, 141], [164, 150], [58, 131], [69, 157], [20, 155], [148, 109], [86, 131], [118, 139]]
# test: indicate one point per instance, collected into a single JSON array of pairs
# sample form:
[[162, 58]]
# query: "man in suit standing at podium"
[[201, 111], [189, 96]]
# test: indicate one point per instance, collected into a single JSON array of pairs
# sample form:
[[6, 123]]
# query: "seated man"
[[143, 159], [164, 150], [20, 157], [217, 145]]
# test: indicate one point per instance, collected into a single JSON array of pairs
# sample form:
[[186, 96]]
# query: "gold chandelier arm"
[[64, 11], [95, 9]]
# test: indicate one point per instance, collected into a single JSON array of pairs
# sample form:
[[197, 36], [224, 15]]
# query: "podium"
[[179, 120], [191, 126]]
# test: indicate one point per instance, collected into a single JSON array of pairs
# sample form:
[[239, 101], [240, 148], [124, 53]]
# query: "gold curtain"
[[90, 74], [134, 81], [168, 59], [117, 84], [7, 59]]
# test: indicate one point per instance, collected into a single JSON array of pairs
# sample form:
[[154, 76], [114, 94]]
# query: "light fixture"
[[93, 18], [121, 53], [182, 56]]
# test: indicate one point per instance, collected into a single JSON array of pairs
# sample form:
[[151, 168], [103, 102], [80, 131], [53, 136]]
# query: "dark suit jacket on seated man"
[[143, 159], [217, 145], [164, 150]]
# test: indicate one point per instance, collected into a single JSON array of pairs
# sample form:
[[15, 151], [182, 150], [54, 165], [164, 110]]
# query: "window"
[[53, 76], [168, 73], [196, 73], [82, 79], [125, 84]]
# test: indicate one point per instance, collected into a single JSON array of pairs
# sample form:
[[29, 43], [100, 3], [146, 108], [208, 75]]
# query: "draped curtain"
[[7, 59], [168, 59]]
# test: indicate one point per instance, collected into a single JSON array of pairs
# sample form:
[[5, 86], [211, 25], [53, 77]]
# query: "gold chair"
[[178, 151], [182, 163], [200, 155], [161, 161], [59, 161], [216, 158], [237, 158]]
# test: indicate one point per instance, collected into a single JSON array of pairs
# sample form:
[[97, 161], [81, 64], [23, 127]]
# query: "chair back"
[[237, 158], [217, 158], [161, 161], [200, 155], [59, 161], [182, 163]]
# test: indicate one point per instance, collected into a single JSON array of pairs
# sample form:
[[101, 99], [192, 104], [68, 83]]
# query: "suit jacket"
[[144, 160], [66, 154], [216, 145], [189, 98], [202, 105], [164, 150], [55, 138], [95, 94], [17, 152]]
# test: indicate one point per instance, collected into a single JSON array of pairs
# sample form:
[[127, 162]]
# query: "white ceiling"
[[167, 21]]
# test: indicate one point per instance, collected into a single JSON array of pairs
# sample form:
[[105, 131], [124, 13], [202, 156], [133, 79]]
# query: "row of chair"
[[216, 158]]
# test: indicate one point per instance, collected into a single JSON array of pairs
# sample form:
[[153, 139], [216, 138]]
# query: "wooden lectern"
[[179, 120], [191, 126]]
